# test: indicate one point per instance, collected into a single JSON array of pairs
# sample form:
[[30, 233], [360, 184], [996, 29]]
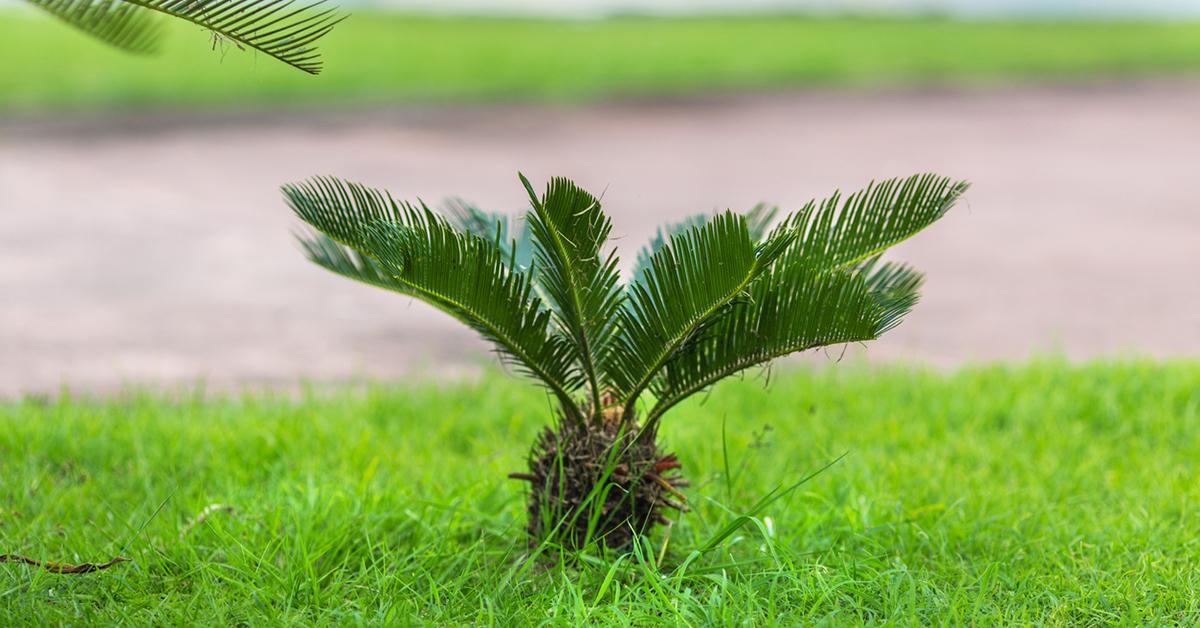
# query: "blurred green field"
[[374, 58], [1036, 494]]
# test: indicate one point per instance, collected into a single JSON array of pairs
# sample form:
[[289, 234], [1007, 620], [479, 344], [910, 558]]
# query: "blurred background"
[[143, 241]]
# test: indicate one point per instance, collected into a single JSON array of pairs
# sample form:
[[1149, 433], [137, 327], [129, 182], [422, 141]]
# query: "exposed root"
[[667, 486]]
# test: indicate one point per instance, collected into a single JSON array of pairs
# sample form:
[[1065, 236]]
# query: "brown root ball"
[[597, 482]]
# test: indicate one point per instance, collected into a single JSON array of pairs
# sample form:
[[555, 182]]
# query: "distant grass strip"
[[383, 58], [1038, 494]]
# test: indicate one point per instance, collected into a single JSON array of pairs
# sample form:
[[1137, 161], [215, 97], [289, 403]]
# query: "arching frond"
[[411, 250], [791, 309], [688, 282], [284, 29], [836, 233], [115, 22], [579, 278], [829, 287]]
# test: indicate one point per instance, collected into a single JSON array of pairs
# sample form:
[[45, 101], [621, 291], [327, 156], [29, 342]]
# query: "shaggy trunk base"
[[594, 483]]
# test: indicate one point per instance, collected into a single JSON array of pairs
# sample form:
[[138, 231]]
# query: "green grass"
[[381, 58], [1044, 493]]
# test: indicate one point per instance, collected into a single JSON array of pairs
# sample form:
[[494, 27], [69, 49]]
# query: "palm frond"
[[581, 281], [115, 22], [689, 280], [410, 249], [284, 29], [834, 233], [791, 309], [829, 287]]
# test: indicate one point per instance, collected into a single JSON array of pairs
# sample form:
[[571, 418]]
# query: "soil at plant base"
[[158, 251]]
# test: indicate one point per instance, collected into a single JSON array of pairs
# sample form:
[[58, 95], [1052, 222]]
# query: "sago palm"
[[707, 299], [284, 29]]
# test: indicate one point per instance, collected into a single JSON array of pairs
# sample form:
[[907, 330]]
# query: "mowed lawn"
[[375, 58], [1044, 493]]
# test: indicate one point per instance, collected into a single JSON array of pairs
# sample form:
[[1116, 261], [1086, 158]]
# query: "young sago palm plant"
[[708, 298]]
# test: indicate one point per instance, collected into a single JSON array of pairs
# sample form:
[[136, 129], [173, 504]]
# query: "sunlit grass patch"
[[1044, 492]]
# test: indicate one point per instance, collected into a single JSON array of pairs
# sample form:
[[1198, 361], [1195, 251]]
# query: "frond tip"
[[835, 233]]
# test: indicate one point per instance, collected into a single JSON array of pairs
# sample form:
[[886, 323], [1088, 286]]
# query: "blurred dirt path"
[[157, 251]]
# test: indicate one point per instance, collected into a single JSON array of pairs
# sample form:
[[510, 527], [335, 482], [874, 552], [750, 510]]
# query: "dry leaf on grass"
[[65, 568]]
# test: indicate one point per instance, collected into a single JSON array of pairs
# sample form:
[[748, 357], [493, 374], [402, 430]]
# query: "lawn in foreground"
[[1038, 493], [374, 58]]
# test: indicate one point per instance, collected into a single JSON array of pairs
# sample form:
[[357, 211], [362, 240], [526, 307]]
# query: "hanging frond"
[[115, 22], [284, 29], [569, 231], [834, 233], [688, 282], [411, 250]]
